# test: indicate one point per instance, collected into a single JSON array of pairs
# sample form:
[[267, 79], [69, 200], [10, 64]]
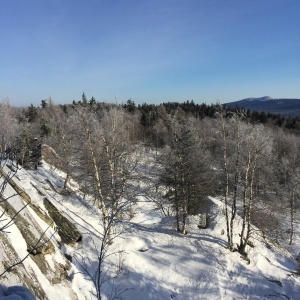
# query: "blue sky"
[[149, 50]]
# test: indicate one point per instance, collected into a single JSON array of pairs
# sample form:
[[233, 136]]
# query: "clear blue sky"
[[149, 50]]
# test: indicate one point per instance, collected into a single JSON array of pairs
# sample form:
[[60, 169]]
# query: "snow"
[[16, 293], [150, 260], [162, 264]]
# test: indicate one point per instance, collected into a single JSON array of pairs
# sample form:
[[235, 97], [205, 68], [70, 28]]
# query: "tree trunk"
[[177, 209], [226, 187], [242, 245], [236, 182], [292, 208], [184, 215], [97, 176]]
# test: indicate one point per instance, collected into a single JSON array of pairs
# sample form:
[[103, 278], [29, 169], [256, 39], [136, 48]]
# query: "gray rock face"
[[67, 231]]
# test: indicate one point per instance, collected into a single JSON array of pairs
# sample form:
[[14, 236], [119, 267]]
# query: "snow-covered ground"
[[150, 260]]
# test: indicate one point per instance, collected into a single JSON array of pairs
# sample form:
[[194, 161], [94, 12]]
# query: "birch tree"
[[289, 179], [256, 149], [107, 164], [244, 148], [230, 132], [88, 153], [107, 159]]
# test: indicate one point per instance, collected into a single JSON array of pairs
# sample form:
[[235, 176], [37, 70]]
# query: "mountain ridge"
[[289, 107]]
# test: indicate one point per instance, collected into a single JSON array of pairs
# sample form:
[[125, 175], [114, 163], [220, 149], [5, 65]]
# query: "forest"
[[250, 160]]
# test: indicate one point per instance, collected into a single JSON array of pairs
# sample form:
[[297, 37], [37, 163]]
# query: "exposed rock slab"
[[67, 231]]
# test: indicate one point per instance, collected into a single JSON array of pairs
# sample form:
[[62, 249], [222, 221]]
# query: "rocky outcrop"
[[23, 275], [67, 231], [50, 156], [27, 199], [39, 243]]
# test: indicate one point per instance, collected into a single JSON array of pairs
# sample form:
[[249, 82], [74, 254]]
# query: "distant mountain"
[[283, 106]]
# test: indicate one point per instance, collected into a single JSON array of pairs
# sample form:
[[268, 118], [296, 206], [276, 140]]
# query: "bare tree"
[[230, 164], [107, 165], [9, 126], [61, 136], [257, 146], [245, 148], [97, 272], [288, 170]]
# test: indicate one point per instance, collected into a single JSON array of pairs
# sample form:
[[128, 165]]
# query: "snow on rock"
[[27, 232], [138, 244]]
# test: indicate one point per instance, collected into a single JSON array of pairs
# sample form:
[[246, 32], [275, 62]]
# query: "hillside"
[[285, 107], [148, 261]]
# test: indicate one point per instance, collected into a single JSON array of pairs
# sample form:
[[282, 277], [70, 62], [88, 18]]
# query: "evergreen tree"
[[186, 174]]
